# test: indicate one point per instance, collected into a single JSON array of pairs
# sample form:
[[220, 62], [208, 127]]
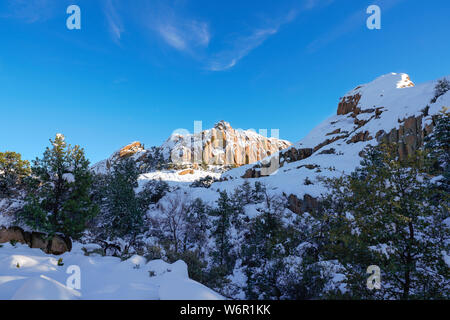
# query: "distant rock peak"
[[223, 125], [221, 147]]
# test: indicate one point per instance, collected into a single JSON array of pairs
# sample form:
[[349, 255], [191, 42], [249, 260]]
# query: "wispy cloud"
[[179, 31], [243, 45], [114, 20], [184, 34], [29, 11]]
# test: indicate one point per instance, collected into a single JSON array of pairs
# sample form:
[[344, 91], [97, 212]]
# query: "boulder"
[[299, 206], [14, 234], [39, 241], [58, 245]]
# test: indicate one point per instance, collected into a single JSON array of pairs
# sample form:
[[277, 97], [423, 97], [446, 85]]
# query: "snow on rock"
[[390, 107], [222, 145], [31, 274], [218, 148]]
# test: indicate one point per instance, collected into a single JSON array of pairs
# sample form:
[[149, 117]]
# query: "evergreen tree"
[[153, 191], [197, 226], [243, 194], [124, 212], [13, 171], [59, 201], [258, 192], [438, 144], [264, 250], [223, 256], [384, 214]]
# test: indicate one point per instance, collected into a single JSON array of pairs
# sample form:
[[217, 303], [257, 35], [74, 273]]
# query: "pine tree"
[[197, 226], [384, 214], [223, 256], [258, 192], [13, 171], [438, 144], [264, 251], [123, 210], [60, 201]]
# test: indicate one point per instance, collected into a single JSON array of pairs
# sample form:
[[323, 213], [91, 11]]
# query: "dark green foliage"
[[384, 214], [266, 245], [306, 281], [13, 172], [153, 161], [223, 255], [197, 226], [59, 200], [123, 212], [153, 191], [438, 144], [204, 182]]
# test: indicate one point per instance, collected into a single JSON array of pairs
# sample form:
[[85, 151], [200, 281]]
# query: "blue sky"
[[137, 70]]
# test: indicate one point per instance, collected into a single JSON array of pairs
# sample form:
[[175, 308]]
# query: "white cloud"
[[184, 35], [114, 20], [243, 45]]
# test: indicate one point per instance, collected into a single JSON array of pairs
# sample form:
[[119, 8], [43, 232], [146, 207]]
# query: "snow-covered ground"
[[31, 274]]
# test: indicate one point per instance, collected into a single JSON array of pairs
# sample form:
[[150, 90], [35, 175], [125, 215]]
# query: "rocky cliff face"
[[221, 146], [390, 108]]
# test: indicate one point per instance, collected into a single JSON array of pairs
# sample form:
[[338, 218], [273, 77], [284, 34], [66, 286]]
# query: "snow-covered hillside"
[[388, 107], [31, 274]]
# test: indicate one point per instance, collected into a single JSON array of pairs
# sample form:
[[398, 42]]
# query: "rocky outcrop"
[[55, 245], [58, 245], [360, 137], [220, 146], [223, 145], [293, 154], [14, 234], [409, 136], [131, 149], [185, 172], [300, 206], [348, 104]]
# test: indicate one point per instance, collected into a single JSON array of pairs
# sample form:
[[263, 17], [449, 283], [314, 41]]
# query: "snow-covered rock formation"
[[389, 108], [219, 149]]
